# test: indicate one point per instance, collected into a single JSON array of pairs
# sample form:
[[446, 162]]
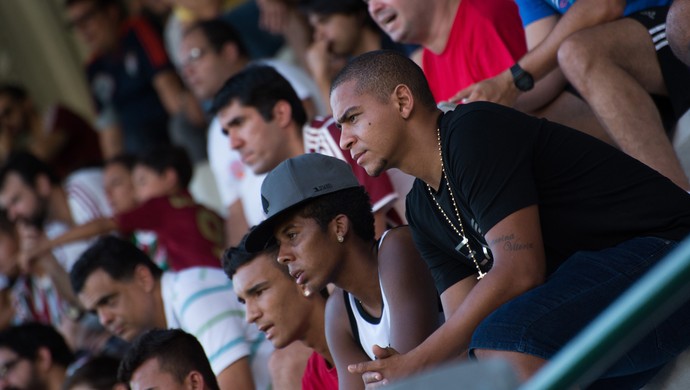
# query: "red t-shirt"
[[486, 38], [318, 375], [191, 234]]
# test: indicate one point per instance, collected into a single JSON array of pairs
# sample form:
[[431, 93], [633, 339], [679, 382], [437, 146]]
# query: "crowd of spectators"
[[402, 183]]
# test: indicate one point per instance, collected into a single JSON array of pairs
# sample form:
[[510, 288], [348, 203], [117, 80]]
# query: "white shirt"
[[201, 301], [87, 201]]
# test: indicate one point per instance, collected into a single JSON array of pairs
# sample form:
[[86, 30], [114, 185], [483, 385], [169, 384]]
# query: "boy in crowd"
[[279, 307], [191, 234], [170, 359]]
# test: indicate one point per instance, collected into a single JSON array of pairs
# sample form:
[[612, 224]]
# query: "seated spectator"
[[33, 356], [97, 373], [191, 234], [119, 188], [265, 123], [31, 192], [60, 136], [385, 296], [531, 229], [167, 359], [615, 55], [280, 309], [678, 31], [212, 52], [483, 38], [131, 295], [342, 29], [133, 84]]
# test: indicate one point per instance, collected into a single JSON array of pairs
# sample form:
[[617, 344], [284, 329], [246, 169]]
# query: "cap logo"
[[323, 187]]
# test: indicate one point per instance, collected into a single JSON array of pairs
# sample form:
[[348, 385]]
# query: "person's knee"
[[576, 57], [525, 365], [678, 30]]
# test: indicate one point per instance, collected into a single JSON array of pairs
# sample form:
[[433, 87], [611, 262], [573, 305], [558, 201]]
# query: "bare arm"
[[237, 376], [176, 99], [90, 229], [519, 265], [111, 141], [410, 290], [541, 59], [345, 350]]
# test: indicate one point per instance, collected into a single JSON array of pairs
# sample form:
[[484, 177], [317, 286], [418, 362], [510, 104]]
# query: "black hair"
[[102, 4], [345, 7], [219, 33], [379, 72], [6, 226], [28, 167], [14, 91], [178, 353], [98, 373], [117, 257], [164, 157], [261, 87], [235, 257], [352, 202], [127, 160], [26, 339]]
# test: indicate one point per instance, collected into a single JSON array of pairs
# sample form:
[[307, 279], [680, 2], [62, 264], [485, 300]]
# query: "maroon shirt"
[[191, 234]]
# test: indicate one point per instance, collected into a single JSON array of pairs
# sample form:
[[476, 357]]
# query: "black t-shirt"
[[590, 195]]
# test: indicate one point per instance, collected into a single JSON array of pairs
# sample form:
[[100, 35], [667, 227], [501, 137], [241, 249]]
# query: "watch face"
[[525, 83]]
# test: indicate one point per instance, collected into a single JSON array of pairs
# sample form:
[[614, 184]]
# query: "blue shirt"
[[533, 10]]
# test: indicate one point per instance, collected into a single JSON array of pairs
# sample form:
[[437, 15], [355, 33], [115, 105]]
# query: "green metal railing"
[[648, 302]]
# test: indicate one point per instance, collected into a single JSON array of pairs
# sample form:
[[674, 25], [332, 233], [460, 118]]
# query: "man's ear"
[[194, 381], [42, 185], [341, 225], [44, 360], [144, 278], [282, 113], [170, 177], [229, 52], [404, 100]]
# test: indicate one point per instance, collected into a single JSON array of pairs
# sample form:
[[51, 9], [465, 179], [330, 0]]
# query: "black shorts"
[[676, 74]]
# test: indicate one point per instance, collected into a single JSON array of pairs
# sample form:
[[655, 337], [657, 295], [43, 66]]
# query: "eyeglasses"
[[80, 21], [193, 56], [7, 367]]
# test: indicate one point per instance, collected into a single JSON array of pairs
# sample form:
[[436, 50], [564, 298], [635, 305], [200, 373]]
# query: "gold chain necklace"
[[464, 241]]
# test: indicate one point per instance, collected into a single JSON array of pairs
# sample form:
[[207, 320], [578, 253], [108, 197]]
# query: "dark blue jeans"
[[541, 321]]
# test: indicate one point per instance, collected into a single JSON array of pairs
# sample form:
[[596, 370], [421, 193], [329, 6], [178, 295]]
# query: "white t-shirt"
[[201, 301], [87, 201]]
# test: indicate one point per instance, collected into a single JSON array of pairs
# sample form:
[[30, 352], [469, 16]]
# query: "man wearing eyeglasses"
[[33, 356]]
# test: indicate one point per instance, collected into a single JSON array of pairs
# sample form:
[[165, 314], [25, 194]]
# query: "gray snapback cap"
[[293, 182]]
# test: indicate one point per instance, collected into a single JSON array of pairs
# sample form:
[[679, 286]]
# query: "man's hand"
[[499, 89], [389, 365], [31, 244]]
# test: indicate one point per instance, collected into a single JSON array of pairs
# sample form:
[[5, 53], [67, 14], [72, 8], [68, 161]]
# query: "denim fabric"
[[541, 321]]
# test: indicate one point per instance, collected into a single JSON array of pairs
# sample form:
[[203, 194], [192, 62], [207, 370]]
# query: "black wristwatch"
[[522, 79]]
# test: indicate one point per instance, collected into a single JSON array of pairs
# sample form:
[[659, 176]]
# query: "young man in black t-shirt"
[[530, 228]]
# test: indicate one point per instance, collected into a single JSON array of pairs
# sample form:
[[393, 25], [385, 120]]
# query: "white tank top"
[[369, 330]]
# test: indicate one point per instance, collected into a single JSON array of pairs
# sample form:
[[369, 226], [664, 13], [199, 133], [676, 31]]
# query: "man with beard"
[[33, 357], [30, 192]]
